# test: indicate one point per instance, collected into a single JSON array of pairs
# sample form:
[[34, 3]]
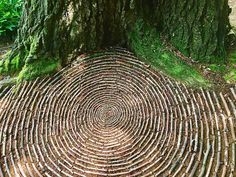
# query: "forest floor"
[[109, 114]]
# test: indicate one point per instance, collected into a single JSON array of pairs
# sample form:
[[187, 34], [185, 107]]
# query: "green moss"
[[10, 66], [217, 68], [34, 41], [39, 68], [233, 57], [6, 65], [16, 63], [28, 66], [146, 43], [1, 67], [230, 75]]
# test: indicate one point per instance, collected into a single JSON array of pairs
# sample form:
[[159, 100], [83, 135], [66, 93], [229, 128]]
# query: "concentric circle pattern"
[[109, 114]]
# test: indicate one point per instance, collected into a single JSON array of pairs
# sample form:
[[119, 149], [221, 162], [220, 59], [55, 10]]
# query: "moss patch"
[[230, 75], [217, 68], [146, 43], [39, 68], [10, 66]]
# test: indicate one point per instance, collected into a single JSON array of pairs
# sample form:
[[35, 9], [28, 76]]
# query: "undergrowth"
[[10, 12], [145, 42]]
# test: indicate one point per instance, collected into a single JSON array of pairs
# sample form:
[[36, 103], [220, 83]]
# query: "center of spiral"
[[108, 116]]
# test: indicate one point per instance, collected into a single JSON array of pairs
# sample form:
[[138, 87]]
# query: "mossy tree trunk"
[[53, 31], [56, 30], [197, 28]]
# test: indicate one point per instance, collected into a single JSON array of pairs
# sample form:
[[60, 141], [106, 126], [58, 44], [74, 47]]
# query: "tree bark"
[[197, 28], [54, 28], [58, 29]]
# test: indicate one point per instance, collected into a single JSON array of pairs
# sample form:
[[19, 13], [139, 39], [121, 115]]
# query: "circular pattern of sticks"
[[109, 114]]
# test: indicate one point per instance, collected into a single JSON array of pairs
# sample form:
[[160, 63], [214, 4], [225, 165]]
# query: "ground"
[[110, 115]]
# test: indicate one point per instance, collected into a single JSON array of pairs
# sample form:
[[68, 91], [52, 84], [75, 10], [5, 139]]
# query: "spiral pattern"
[[109, 114]]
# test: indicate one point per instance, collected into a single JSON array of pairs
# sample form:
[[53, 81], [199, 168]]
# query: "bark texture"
[[198, 28], [53, 29]]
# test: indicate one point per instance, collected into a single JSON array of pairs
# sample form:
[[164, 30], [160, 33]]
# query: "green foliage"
[[146, 43], [39, 68], [10, 11]]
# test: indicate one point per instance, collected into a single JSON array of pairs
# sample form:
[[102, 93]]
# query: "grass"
[[146, 43]]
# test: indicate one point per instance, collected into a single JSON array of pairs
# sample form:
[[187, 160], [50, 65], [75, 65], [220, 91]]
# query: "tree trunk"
[[197, 28], [52, 28], [56, 30]]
